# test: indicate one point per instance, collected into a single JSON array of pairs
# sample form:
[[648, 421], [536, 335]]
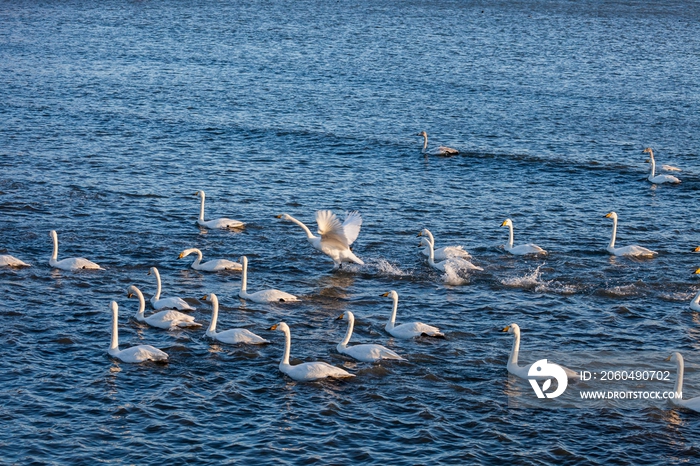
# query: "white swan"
[[232, 336], [658, 179], [336, 238], [306, 371], [166, 303], [167, 320], [633, 250], [442, 253], [263, 296], [693, 403], [523, 248], [217, 222], [695, 302], [7, 260], [456, 262], [522, 371], [365, 352], [410, 330], [441, 150], [215, 265], [138, 353], [72, 263]]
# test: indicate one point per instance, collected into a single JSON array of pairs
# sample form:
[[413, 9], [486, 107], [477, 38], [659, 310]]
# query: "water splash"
[[533, 281]]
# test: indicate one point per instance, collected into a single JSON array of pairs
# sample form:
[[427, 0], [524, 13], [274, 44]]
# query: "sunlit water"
[[112, 115]]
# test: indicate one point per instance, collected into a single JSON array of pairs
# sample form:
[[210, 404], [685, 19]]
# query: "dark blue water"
[[113, 114]]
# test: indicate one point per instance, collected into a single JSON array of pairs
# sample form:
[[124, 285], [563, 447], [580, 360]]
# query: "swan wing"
[[170, 319], [415, 329], [309, 371], [330, 229], [11, 261], [351, 226], [371, 353], [658, 179], [670, 168], [526, 249], [634, 250], [141, 353], [77, 263], [221, 223], [270, 296], [172, 303], [240, 335], [218, 265], [442, 150]]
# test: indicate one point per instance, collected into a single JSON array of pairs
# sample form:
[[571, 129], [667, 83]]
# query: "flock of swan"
[[334, 240]]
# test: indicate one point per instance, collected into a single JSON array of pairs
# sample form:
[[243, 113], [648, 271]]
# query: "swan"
[[523, 248], [441, 150], [7, 260], [210, 266], [138, 353], [633, 250], [336, 238], [458, 262], [263, 296], [72, 263], [695, 303], [167, 320], [365, 352], [306, 371], [522, 371], [233, 336], [411, 330], [693, 403], [217, 222], [658, 179], [166, 303], [443, 253]]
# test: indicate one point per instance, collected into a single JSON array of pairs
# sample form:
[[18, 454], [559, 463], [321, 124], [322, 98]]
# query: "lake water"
[[113, 114]]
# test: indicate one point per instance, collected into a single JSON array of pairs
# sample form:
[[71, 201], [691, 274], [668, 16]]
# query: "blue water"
[[113, 114]]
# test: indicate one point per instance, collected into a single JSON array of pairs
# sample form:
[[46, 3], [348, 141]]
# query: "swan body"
[[365, 352], [7, 260], [522, 371], [458, 262], [72, 263], [670, 168], [658, 179], [336, 238], [233, 336], [522, 249], [166, 303], [443, 253], [167, 320], [440, 150], [409, 330], [307, 371], [221, 223], [216, 265], [134, 354], [693, 403], [695, 303], [264, 296], [634, 250]]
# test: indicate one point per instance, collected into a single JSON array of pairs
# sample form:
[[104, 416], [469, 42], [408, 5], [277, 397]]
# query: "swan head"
[[675, 357], [423, 134], [211, 297], [284, 216], [282, 327], [346, 316], [391, 294], [424, 242], [697, 272], [113, 306], [187, 252], [612, 215], [649, 151], [53, 234], [424, 232], [243, 260], [199, 193], [131, 291], [697, 249], [153, 271], [512, 328], [507, 223]]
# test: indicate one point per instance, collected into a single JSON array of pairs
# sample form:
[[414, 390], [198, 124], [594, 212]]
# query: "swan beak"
[[668, 358], [274, 327], [278, 216], [385, 295], [697, 272], [420, 233], [149, 272], [504, 223], [180, 256], [506, 329], [606, 216], [129, 295], [340, 317], [697, 249], [205, 297], [647, 161]]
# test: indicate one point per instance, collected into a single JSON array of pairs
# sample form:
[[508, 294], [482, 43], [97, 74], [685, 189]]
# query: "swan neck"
[[244, 277], [309, 235], [115, 331], [614, 234], [425, 142], [211, 331], [201, 207], [431, 257], [142, 302], [54, 256], [287, 347], [348, 334], [515, 352], [653, 167], [393, 311], [196, 262], [510, 236], [158, 286], [679, 378]]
